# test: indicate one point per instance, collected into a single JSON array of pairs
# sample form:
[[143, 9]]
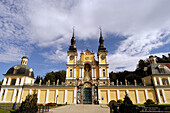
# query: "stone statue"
[[87, 73]]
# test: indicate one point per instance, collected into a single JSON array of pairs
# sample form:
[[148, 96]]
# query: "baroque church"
[[87, 81]]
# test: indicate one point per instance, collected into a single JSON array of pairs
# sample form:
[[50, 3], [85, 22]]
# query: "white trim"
[[159, 99], [47, 96], [75, 72], [108, 93], [38, 95], [65, 98], [75, 96], [103, 78], [146, 94], [83, 72], [118, 97], [70, 78], [4, 81], [75, 58], [67, 73], [99, 95], [92, 74], [30, 91], [127, 91], [168, 80], [137, 96], [160, 81], [163, 94], [79, 73], [5, 94], [99, 72], [14, 94], [155, 81], [9, 80], [2, 89], [17, 81], [19, 95], [95, 73], [56, 95]]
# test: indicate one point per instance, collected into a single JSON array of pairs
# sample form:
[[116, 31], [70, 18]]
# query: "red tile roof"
[[166, 64]]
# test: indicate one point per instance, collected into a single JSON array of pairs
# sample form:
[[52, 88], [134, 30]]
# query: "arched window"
[[71, 72]]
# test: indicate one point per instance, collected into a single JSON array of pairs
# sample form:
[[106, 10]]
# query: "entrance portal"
[[87, 96]]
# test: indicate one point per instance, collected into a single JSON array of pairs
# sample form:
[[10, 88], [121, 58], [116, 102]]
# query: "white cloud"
[[49, 23]]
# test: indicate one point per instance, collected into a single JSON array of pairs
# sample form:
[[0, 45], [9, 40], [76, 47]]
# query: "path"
[[80, 108]]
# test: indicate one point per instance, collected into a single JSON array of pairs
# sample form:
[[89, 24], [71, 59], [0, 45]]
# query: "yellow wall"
[[70, 96], [25, 93], [122, 94], [51, 96], [151, 95], [167, 95], [132, 96], [103, 93], [113, 95], [141, 94], [9, 95], [29, 80], [42, 98], [61, 95]]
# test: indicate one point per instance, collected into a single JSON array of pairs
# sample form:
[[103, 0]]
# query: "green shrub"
[[30, 104], [119, 102], [149, 102]]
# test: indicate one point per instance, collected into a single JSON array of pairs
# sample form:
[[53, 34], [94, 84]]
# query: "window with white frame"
[[71, 72], [104, 73], [164, 81]]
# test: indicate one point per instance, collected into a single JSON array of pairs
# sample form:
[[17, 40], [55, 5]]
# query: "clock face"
[[103, 57], [71, 57]]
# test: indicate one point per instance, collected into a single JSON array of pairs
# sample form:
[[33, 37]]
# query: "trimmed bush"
[[149, 102], [119, 102]]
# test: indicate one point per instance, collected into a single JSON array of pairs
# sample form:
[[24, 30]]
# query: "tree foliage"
[[30, 104], [149, 102]]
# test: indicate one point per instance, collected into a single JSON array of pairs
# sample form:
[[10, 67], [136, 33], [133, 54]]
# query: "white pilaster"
[[75, 59], [163, 94], [4, 81], [67, 73], [14, 94], [56, 95], [38, 95], [168, 80], [99, 96], [47, 96], [1, 92], [75, 97], [107, 72], [99, 72], [155, 81], [83, 72], [65, 99], [19, 95], [146, 94], [94, 73], [30, 91], [127, 91], [17, 81], [9, 81], [79, 73], [118, 95], [74, 72], [159, 98], [22, 81], [137, 96], [5, 95], [160, 81], [108, 96]]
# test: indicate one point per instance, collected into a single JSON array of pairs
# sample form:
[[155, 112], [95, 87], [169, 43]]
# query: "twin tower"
[[87, 71]]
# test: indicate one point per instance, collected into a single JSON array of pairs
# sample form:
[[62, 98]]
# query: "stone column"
[[19, 95], [99, 96], [38, 95], [137, 97], [75, 96], [47, 96], [65, 99], [4, 81], [5, 95], [22, 81]]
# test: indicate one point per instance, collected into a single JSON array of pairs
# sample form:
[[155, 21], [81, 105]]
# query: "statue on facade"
[[87, 73]]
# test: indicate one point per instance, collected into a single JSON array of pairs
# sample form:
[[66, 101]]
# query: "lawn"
[[9, 104], [6, 110]]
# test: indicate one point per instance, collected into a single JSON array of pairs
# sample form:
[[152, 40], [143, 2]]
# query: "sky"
[[42, 30]]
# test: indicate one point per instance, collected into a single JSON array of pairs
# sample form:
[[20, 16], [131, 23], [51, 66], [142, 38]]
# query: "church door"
[[87, 96]]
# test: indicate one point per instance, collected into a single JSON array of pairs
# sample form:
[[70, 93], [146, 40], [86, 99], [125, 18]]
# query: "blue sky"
[[42, 30]]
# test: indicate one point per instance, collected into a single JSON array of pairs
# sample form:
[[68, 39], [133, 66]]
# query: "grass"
[[6, 110], [58, 105], [9, 104]]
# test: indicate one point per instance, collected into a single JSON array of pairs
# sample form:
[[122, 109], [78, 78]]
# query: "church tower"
[[103, 61], [71, 61]]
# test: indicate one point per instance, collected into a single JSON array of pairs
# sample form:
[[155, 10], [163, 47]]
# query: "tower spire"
[[102, 47], [72, 47]]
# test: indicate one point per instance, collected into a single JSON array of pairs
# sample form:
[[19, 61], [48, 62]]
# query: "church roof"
[[21, 70]]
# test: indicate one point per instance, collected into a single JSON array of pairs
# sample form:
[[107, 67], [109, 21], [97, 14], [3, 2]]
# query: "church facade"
[[87, 81]]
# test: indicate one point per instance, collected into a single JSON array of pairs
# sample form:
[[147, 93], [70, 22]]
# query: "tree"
[[30, 104], [149, 102]]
